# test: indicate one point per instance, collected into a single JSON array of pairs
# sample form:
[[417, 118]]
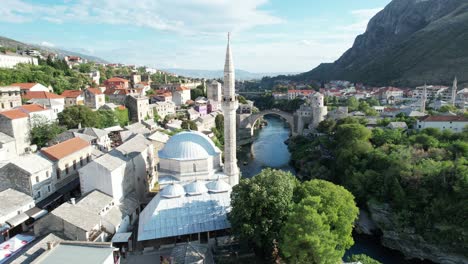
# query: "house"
[[73, 97], [94, 98], [164, 108], [193, 114], [181, 95], [10, 97], [74, 60], [10, 60], [117, 82], [31, 87], [390, 94], [98, 253], [432, 92], [454, 123], [34, 249], [117, 95], [397, 125], [138, 108], [293, 94], [99, 138], [95, 76], [68, 157], [161, 96], [206, 122], [95, 218], [12, 212], [7, 147], [126, 169], [15, 123], [214, 91], [49, 100], [31, 174], [37, 112]]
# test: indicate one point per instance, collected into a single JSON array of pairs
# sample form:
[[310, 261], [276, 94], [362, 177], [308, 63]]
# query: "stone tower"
[[318, 108], [230, 105], [454, 91]]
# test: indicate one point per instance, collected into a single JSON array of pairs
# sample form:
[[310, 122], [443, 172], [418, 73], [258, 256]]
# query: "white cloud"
[[183, 16], [47, 44], [362, 18]]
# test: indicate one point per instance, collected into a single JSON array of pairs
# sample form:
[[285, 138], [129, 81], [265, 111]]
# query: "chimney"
[[50, 245], [72, 201]]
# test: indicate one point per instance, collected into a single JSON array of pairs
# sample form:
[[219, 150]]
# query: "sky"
[[267, 35]]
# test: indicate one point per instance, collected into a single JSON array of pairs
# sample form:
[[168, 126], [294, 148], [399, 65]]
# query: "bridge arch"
[[249, 123]]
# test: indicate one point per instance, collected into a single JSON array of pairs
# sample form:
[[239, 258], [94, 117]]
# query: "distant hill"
[[207, 74], [11, 43], [408, 43]]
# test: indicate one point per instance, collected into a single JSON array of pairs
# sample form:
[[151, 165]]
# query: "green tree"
[[260, 206], [447, 108], [219, 122], [197, 92], [107, 118], [76, 115], [364, 259], [352, 104], [43, 131], [327, 126], [156, 116], [386, 136], [319, 229], [189, 124], [122, 116]]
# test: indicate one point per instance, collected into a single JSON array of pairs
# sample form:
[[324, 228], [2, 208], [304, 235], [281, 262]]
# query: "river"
[[269, 150]]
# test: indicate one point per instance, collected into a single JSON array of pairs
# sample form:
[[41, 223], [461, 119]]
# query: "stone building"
[[94, 98], [32, 87], [12, 213], [95, 217], [181, 95], [10, 97], [37, 113], [310, 114], [30, 174], [7, 147], [68, 157], [49, 100], [164, 108], [15, 124], [10, 60], [214, 91], [73, 97], [139, 108]]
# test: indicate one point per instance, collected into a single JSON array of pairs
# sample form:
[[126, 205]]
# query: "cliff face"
[[408, 43], [407, 241]]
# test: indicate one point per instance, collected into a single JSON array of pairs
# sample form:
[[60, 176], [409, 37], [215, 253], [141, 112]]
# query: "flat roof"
[[71, 254], [11, 200]]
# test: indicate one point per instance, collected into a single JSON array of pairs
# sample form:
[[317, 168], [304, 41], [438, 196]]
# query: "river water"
[[269, 150]]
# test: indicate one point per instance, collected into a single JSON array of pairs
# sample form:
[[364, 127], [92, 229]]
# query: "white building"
[[10, 97], [164, 108], [10, 60], [454, 123], [32, 87], [49, 100], [95, 76], [7, 147], [15, 124], [214, 91], [37, 112], [181, 95], [12, 210], [127, 169]]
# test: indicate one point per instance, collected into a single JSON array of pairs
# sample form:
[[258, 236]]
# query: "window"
[[47, 174], [74, 165], [81, 161], [3, 106], [38, 194], [48, 188], [88, 158], [11, 104], [58, 174], [19, 212], [66, 169], [37, 178]]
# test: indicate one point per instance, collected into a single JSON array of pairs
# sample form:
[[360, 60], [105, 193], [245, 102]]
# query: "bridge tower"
[[229, 106]]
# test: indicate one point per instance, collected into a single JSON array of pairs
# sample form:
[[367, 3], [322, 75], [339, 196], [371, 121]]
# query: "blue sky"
[[267, 35]]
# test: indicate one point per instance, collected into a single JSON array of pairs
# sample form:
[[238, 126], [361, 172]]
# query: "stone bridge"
[[246, 124]]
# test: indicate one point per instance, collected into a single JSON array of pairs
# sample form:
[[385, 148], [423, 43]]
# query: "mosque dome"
[[196, 188], [173, 191], [218, 186], [190, 145]]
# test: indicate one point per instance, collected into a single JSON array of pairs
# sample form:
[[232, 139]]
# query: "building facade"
[[10, 97]]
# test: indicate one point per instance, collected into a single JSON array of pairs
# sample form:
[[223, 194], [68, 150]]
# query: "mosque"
[[196, 185]]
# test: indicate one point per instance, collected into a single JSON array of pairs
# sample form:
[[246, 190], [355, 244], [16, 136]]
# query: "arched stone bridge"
[[247, 125]]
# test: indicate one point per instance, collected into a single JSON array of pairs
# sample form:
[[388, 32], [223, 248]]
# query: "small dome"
[[195, 188], [173, 191], [189, 145], [218, 186]]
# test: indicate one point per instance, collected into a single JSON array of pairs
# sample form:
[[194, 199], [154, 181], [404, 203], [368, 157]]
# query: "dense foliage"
[[319, 228], [364, 259], [74, 116], [42, 131], [311, 221], [268, 102], [421, 176], [54, 73]]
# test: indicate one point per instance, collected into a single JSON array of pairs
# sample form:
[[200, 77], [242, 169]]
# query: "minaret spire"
[[454, 91], [229, 106], [423, 99]]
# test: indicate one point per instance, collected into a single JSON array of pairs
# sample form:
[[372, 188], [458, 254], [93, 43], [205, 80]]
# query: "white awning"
[[121, 237], [17, 220]]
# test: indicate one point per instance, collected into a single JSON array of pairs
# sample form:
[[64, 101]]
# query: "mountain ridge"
[[408, 43]]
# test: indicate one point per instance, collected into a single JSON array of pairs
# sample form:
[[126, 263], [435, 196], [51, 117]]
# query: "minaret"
[[423, 99], [230, 105], [454, 91]]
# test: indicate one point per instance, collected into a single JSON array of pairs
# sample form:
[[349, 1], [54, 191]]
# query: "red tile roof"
[[121, 107], [444, 119], [61, 150], [301, 91], [116, 79], [41, 95], [72, 93], [14, 114], [24, 86], [183, 88], [94, 90], [29, 108]]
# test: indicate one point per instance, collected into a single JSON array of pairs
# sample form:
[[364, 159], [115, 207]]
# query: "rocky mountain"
[[208, 74], [10, 43], [408, 43]]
